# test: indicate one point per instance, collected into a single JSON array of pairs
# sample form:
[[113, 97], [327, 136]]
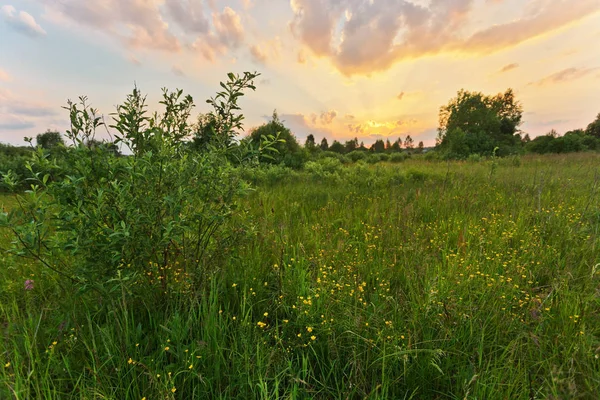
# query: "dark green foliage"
[[593, 129], [324, 145], [49, 139], [475, 123], [378, 146], [288, 150], [337, 147], [570, 142]]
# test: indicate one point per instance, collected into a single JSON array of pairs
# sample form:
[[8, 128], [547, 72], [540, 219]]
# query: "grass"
[[458, 280]]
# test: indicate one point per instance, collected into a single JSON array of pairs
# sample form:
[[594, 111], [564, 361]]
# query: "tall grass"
[[460, 280]]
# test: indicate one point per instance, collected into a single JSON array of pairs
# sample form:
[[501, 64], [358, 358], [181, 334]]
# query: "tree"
[[310, 142], [337, 147], [378, 146], [420, 147], [324, 145], [409, 143], [351, 145], [388, 145], [593, 129], [288, 151], [205, 131], [473, 123], [397, 146], [49, 139]]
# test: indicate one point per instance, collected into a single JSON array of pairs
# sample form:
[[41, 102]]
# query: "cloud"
[[247, 4], [363, 37], [21, 22], [10, 104], [134, 61], [177, 70], [228, 34], [19, 114], [269, 50], [349, 116], [136, 23], [4, 76], [301, 57], [189, 15], [300, 127], [508, 67], [13, 123], [257, 54], [327, 117], [565, 75]]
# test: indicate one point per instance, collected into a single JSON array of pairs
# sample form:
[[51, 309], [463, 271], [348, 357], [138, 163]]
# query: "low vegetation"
[[206, 269]]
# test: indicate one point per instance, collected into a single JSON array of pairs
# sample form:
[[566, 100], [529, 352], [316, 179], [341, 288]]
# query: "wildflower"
[[167, 348], [29, 284], [174, 389], [7, 365], [191, 366], [309, 329], [261, 324], [313, 337], [130, 361], [266, 314], [234, 285]]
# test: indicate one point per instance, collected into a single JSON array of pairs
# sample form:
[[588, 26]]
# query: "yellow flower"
[[313, 337], [191, 366], [7, 365], [130, 361], [266, 314], [167, 348], [174, 389], [309, 329], [261, 324], [234, 285], [286, 321]]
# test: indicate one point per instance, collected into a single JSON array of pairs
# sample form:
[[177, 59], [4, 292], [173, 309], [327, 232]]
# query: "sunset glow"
[[338, 69]]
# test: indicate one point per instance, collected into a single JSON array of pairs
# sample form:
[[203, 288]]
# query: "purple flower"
[[29, 284]]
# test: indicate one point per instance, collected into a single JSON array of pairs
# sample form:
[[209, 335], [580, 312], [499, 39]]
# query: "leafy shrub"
[[357, 155], [398, 157], [149, 222]]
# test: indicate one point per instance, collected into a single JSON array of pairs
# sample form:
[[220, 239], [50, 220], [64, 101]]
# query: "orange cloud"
[[366, 37], [508, 67], [565, 75]]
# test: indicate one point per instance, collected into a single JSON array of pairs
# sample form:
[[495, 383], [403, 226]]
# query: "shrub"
[[148, 223], [398, 157]]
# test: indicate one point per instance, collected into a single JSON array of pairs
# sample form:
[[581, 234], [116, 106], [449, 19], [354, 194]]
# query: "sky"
[[338, 69]]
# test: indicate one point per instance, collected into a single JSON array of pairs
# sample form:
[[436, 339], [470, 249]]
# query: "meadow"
[[418, 280]]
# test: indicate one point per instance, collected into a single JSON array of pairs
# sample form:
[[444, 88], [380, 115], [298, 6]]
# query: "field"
[[418, 280]]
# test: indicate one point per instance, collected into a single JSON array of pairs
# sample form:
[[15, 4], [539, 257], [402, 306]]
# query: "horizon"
[[365, 68]]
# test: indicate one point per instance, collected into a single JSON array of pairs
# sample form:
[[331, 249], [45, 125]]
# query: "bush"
[[398, 157], [148, 224]]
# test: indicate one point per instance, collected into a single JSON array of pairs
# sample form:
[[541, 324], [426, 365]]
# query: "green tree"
[[337, 147], [351, 145], [204, 131], [324, 145], [593, 129], [310, 142], [49, 139], [420, 147], [409, 143], [288, 150], [478, 123], [378, 146]]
